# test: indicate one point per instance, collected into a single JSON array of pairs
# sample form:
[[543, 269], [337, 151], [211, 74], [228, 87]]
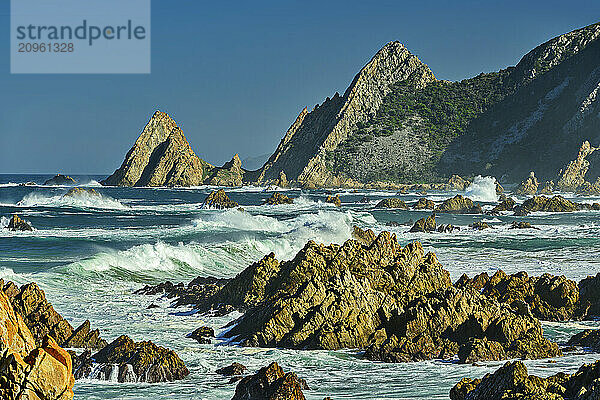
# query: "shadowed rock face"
[[30, 371], [16, 223], [589, 338], [270, 383], [573, 176], [41, 318], [512, 382]]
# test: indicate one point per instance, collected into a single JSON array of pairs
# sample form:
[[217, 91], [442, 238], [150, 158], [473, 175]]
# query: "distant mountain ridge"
[[397, 124]]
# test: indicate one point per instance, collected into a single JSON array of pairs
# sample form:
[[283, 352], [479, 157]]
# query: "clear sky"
[[235, 74]]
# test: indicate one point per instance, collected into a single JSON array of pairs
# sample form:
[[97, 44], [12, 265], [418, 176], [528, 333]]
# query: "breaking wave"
[[482, 189], [78, 200]]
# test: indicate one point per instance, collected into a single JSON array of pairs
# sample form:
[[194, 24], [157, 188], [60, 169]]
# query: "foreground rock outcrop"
[[16, 223], [270, 383], [41, 318], [29, 370], [512, 382]]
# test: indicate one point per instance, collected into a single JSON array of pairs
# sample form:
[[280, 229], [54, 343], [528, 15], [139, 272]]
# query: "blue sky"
[[236, 74]]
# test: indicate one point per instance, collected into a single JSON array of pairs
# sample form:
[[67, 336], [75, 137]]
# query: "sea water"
[[91, 253]]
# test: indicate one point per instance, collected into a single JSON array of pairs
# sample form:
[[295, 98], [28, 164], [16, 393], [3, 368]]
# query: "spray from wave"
[[482, 189], [81, 199]]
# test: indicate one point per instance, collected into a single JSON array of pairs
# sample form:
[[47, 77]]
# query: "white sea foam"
[[482, 189], [77, 200]]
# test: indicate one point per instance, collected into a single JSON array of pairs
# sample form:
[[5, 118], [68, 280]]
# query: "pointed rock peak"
[[234, 163]]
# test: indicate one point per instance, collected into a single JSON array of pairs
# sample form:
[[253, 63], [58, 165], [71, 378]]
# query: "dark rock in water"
[[447, 228], [18, 224], [480, 225], [551, 298], [366, 237], [82, 364], [27, 183], [41, 318], [424, 225], [512, 382], [334, 200], [529, 186], [459, 205], [424, 204], [554, 204], [232, 370], [218, 199], [448, 322], [522, 225], [77, 191], [197, 291], [506, 205], [142, 361], [60, 180], [364, 200], [588, 338], [330, 297], [595, 207], [394, 223], [152, 306], [589, 294], [270, 383], [278, 198], [202, 334], [392, 202]]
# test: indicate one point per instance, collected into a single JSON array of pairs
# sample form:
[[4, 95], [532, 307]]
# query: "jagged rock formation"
[[303, 151], [131, 362], [392, 202], [60, 180], [396, 124], [219, 199], [366, 237], [425, 225], [270, 383], [547, 297], [522, 225], [589, 295], [162, 156], [573, 176], [278, 198], [512, 382], [459, 205], [543, 203], [529, 186], [203, 334], [232, 370], [77, 191], [506, 205], [424, 204], [480, 225], [16, 223], [30, 303], [29, 370]]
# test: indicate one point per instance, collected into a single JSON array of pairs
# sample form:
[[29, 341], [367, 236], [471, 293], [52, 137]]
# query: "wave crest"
[[483, 188]]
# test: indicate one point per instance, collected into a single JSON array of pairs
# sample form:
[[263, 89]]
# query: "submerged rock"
[[29, 370], [334, 200], [202, 334], [548, 297], [529, 186], [140, 362], [512, 382], [218, 199], [427, 224], [270, 383], [480, 225], [424, 204], [522, 225], [392, 202], [41, 318], [60, 180], [459, 205], [447, 228], [16, 223], [77, 191], [235, 369], [278, 198], [589, 338]]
